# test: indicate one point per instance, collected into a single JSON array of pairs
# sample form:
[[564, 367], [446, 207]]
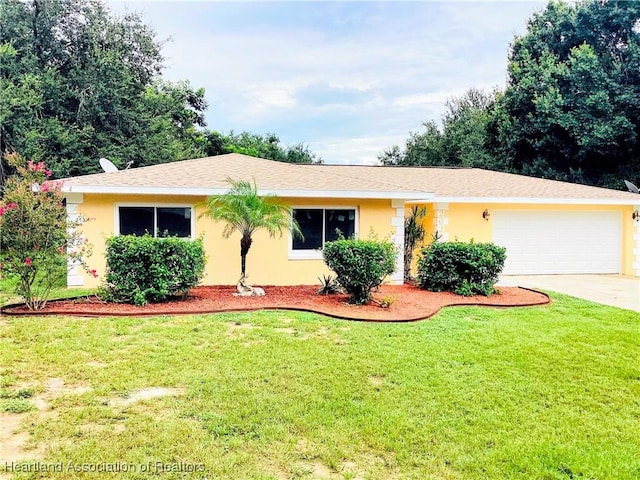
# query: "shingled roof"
[[208, 176]]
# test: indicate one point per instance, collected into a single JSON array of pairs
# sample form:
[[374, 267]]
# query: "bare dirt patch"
[[56, 387], [411, 303], [96, 364], [376, 380], [14, 440], [147, 394]]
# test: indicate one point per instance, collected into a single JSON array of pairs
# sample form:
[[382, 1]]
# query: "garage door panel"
[[559, 242]]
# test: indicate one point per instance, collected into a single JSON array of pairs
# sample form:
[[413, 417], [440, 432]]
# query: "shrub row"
[[459, 267], [146, 269]]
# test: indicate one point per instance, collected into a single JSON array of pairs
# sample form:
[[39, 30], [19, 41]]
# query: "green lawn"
[[547, 392], [7, 295]]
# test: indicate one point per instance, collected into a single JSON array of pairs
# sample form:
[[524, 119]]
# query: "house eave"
[[291, 193], [531, 200]]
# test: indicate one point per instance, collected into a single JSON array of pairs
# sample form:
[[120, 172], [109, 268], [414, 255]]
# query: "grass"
[[543, 392], [7, 295]]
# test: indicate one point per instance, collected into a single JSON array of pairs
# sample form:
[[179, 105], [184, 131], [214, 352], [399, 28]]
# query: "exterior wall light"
[[486, 214], [635, 215]]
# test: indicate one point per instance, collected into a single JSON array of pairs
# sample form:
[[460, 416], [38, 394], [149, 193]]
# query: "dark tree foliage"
[[462, 140], [264, 146], [571, 109], [78, 83]]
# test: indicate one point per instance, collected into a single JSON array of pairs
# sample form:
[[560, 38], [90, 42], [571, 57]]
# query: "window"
[[320, 225], [157, 221]]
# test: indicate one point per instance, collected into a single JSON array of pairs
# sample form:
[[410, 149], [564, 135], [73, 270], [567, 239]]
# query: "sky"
[[348, 79]]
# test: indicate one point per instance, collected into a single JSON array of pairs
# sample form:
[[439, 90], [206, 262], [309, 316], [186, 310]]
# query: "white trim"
[[116, 215], [73, 197], [74, 278], [191, 191], [440, 220], [533, 201], [397, 222], [636, 248], [316, 254], [410, 197]]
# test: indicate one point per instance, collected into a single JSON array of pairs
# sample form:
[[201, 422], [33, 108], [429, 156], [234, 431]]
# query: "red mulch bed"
[[410, 304]]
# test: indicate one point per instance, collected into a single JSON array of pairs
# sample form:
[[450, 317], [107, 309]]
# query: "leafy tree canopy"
[[78, 83], [462, 140], [263, 146], [570, 109]]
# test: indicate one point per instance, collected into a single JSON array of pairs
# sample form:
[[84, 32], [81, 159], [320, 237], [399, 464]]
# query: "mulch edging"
[[411, 304]]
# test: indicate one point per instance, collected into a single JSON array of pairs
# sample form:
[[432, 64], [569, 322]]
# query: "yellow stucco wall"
[[465, 222], [268, 260]]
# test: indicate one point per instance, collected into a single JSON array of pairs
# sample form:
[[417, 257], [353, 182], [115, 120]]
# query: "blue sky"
[[349, 79]]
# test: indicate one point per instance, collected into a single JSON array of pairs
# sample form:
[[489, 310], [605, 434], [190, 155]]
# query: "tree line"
[[78, 83], [570, 109]]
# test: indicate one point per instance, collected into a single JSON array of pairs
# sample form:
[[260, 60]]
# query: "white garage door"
[[559, 242]]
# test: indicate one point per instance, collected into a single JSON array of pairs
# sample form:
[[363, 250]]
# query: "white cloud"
[[349, 79]]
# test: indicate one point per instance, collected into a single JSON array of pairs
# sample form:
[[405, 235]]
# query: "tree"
[[264, 146], [78, 83], [243, 210], [36, 240], [571, 109], [462, 141], [421, 149], [465, 130]]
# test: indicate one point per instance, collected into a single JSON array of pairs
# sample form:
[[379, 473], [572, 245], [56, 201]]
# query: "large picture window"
[[320, 225], [156, 221]]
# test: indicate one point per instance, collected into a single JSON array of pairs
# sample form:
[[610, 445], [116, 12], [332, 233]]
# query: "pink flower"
[[11, 205], [27, 262], [93, 273], [48, 173], [2, 210]]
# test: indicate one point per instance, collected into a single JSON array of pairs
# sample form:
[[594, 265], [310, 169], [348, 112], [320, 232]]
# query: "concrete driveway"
[[615, 290]]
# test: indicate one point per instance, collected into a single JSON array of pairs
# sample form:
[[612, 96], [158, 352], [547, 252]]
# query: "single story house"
[[547, 227]]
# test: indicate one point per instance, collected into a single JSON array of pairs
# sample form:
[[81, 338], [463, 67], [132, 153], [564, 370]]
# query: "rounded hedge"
[[146, 269], [360, 265], [461, 268]]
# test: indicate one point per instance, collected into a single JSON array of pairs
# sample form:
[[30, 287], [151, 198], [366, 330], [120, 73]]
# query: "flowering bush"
[[35, 237]]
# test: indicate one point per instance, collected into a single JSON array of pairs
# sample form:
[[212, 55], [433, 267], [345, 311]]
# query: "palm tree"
[[243, 210]]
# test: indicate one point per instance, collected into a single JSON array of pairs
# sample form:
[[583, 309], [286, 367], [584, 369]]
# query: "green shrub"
[[459, 267], [360, 265], [146, 269]]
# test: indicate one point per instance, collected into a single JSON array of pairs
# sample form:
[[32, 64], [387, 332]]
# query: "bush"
[[461, 268], [360, 265], [146, 269], [36, 237]]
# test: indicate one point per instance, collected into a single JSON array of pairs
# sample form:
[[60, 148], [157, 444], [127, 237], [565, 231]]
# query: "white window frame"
[[316, 254], [116, 226]]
